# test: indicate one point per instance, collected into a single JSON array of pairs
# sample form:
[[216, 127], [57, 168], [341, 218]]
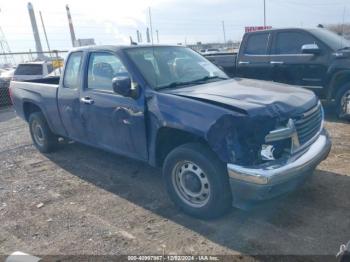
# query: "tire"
[[339, 99], [202, 188], [44, 140]]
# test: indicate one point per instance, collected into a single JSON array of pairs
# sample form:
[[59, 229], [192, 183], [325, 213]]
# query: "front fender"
[[222, 129]]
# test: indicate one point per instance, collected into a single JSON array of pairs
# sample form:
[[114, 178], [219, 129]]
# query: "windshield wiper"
[[204, 79], [174, 84]]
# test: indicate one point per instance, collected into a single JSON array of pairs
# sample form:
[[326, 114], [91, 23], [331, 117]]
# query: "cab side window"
[[103, 67], [257, 44], [291, 42], [71, 73]]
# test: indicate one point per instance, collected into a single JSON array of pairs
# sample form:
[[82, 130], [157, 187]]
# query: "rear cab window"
[[71, 73], [257, 44], [29, 69]]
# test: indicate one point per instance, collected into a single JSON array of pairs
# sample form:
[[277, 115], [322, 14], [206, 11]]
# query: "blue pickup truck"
[[220, 141]]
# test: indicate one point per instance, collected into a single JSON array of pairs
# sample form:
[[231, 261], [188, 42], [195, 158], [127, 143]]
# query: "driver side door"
[[113, 122], [292, 66]]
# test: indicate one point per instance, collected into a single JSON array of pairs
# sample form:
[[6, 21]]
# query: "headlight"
[[279, 140]]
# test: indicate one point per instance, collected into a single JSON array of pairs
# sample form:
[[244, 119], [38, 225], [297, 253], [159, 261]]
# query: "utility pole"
[[224, 31], [150, 22], [138, 36], [147, 35], [264, 12], [38, 46], [342, 28], [343, 23], [71, 27], [44, 29], [157, 36]]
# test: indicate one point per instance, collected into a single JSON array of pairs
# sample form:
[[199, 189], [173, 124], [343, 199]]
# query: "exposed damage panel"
[[247, 110]]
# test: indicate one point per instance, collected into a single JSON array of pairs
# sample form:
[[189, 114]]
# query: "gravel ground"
[[80, 200]]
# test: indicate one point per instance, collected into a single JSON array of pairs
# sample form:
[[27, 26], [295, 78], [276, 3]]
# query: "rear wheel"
[[342, 100], [197, 181], [44, 140]]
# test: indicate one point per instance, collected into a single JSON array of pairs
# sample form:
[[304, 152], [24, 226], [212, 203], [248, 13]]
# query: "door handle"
[[276, 62], [244, 62], [87, 100]]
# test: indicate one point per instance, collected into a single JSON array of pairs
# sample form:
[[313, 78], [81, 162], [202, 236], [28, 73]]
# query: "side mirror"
[[122, 85], [310, 49]]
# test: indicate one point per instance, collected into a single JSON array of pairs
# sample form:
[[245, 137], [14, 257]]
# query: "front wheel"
[[44, 140], [197, 181], [342, 100]]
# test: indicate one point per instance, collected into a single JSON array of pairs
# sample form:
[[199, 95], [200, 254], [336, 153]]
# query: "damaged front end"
[[243, 140], [269, 156]]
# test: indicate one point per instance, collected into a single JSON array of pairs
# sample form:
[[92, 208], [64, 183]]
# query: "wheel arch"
[[169, 138], [337, 81], [29, 107]]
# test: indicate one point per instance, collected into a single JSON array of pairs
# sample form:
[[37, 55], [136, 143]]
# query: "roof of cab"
[[34, 63], [284, 28], [115, 48]]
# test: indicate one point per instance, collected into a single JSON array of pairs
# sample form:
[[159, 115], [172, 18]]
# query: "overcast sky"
[[113, 21]]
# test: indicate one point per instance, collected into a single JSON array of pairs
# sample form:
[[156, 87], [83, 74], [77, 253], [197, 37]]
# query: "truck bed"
[[54, 80], [227, 61], [41, 92]]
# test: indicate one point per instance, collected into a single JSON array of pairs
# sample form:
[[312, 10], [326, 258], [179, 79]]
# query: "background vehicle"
[[7, 75], [209, 51], [5, 79], [220, 141], [316, 59], [55, 72], [32, 70]]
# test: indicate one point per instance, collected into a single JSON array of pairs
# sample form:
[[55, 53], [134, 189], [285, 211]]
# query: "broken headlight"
[[283, 140]]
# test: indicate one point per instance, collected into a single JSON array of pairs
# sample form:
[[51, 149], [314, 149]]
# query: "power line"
[[264, 13]]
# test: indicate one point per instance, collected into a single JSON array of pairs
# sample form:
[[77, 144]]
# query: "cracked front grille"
[[309, 124]]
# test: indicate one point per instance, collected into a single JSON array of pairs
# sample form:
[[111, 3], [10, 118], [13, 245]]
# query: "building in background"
[[84, 42]]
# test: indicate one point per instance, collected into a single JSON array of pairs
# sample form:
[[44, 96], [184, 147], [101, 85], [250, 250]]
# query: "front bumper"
[[275, 178]]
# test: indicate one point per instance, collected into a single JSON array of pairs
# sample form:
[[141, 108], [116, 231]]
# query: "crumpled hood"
[[254, 97]]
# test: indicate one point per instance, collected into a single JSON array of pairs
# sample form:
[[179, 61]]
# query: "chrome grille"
[[309, 124]]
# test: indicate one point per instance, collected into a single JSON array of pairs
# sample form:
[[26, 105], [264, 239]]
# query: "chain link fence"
[[4, 93], [9, 62]]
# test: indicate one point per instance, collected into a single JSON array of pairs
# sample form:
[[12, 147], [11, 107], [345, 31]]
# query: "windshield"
[[173, 66], [29, 69], [333, 40]]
